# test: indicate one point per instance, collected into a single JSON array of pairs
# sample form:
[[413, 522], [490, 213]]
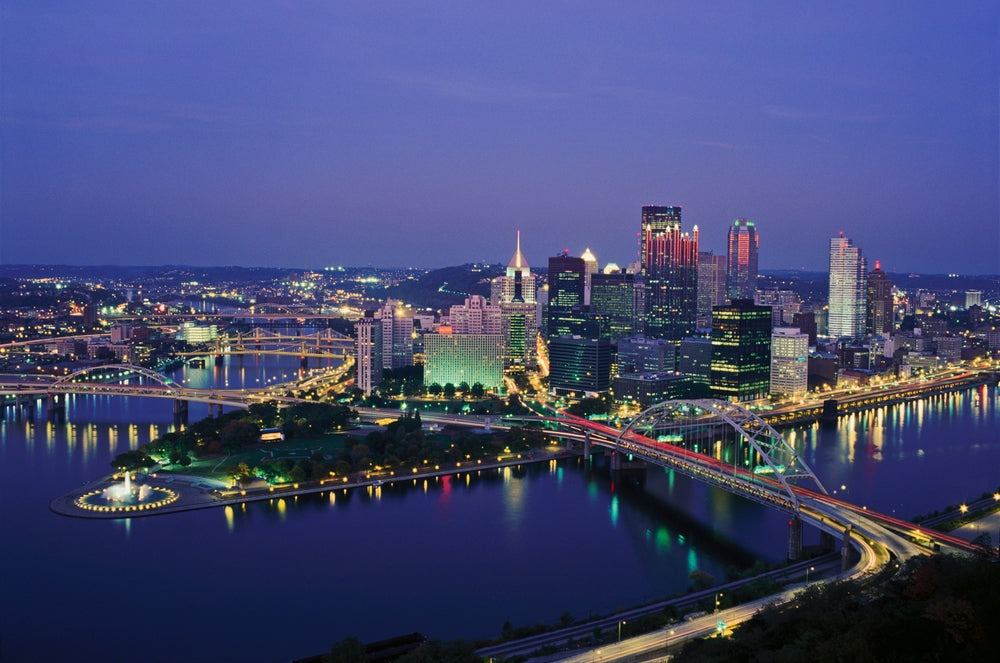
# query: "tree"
[[434, 389], [132, 461], [348, 650], [449, 390], [478, 390], [463, 387], [238, 434]]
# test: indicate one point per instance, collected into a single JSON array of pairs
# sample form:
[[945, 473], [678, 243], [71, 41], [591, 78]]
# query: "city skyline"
[[345, 135]]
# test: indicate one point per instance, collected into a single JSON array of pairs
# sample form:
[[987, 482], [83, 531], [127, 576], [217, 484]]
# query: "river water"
[[454, 557]]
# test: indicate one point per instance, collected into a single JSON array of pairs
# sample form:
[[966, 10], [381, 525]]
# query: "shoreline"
[[195, 492]]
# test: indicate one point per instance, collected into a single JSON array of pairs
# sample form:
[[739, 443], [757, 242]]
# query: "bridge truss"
[[722, 443]]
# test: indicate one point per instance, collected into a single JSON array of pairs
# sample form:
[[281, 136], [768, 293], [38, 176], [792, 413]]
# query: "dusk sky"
[[309, 134]]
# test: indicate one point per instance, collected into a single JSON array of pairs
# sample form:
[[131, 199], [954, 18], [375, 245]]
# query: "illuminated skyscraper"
[[879, 315], [515, 292], [591, 261], [847, 289], [567, 289], [369, 354], [789, 362], [669, 260], [741, 351], [458, 358], [741, 268]]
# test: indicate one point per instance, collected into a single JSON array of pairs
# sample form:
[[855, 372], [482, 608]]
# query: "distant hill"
[[440, 288]]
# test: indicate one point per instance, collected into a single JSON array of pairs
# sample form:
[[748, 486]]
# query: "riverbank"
[[196, 492]]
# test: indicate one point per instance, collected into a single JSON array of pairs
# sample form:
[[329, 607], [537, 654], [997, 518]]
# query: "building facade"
[[879, 308], [458, 358], [669, 260], [741, 351], [789, 362], [711, 286], [579, 365], [515, 294], [846, 317], [741, 268], [368, 354]]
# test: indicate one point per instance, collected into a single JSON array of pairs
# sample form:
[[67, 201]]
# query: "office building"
[[515, 293], [591, 261], [669, 261], [368, 354], [741, 269], [614, 296], [789, 362], [579, 365], [879, 309], [711, 286], [846, 317], [741, 351], [476, 316], [646, 355], [567, 290], [397, 335], [470, 358]]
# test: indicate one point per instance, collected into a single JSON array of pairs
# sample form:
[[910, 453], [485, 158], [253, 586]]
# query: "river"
[[455, 557]]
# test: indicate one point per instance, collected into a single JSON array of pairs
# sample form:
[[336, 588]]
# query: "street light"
[[811, 568], [717, 596], [620, 629]]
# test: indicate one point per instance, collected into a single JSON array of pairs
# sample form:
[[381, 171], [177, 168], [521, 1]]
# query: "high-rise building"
[[515, 293], [741, 351], [567, 289], [669, 260], [579, 365], [368, 347], [711, 285], [397, 336], [475, 316], [458, 358], [789, 362], [741, 269], [847, 290], [614, 297], [879, 316], [591, 261], [646, 355]]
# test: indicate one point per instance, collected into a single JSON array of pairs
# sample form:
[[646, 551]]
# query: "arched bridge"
[[713, 441]]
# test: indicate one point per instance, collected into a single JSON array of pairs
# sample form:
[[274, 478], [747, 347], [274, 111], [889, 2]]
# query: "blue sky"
[[424, 134]]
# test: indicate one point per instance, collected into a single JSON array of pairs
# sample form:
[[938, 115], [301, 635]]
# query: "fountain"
[[124, 497]]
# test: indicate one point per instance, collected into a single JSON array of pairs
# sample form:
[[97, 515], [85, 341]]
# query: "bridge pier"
[[586, 446], [219, 360], [304, 361], [180, 411], [795, 538], [830, 413], [826, 542], [845, 550], [55, 407]]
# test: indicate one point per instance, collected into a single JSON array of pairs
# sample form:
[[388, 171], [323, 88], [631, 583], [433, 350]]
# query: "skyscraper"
[[711, 285], [741, 351], [847, 289], [614, 297], [741, 268], [369, 354], [879, 315], [515, 292], [669, 260], [789, 362], [591, 261], [567, 289]]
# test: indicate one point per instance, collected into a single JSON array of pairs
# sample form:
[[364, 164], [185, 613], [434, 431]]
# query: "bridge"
[[323, 344], [124, 380]]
